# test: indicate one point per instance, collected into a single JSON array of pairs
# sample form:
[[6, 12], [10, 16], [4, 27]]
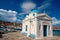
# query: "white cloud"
[[45, 4], [27, 6], [18, 20], [8, 15], [55, 21], [47, 1], [8, 12]]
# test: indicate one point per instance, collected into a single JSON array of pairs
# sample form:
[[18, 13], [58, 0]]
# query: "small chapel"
[[37, 25]]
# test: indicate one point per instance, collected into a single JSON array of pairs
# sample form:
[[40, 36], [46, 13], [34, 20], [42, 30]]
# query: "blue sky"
[[17, 9]]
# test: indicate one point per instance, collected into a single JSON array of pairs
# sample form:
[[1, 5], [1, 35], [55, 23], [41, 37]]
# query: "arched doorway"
[[45, 32]]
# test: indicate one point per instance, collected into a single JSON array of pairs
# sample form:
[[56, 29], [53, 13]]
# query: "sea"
[[56, 32]]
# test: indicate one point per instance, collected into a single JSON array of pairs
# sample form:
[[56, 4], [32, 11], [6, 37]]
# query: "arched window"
[[31, 21], [26, 27], [33, 14], [39, 27]]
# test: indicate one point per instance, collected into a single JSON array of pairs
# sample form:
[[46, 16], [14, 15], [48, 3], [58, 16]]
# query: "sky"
[[16, 10]]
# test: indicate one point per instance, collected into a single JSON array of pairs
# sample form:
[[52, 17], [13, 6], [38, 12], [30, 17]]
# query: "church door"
[[45, 30]]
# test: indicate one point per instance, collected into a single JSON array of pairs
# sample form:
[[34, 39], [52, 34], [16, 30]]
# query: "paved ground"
[[18, 36], [14, 36]]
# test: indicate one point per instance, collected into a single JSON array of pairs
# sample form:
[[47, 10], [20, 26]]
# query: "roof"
[[43, 16], [34, 11]]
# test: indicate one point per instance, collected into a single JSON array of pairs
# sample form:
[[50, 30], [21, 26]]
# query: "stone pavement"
[[19, 36]]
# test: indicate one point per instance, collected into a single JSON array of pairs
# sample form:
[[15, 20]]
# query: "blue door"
[[45, 30]]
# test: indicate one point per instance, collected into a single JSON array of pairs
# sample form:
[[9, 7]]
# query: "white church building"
[[37, 25]]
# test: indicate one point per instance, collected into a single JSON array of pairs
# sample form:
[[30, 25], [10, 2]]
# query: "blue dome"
[[35, 11]]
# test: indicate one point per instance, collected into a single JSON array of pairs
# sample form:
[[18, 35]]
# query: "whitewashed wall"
[[31, 26]]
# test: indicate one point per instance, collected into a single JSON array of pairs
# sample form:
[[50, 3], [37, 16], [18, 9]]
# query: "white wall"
[[31, 26]]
